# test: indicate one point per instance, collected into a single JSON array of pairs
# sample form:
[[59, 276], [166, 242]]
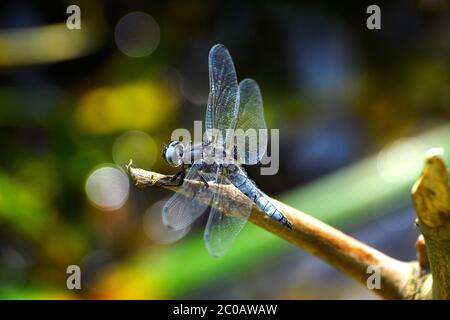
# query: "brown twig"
[[399, 280]]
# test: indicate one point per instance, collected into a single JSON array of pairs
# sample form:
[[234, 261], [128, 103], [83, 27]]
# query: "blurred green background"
[[356, 108]]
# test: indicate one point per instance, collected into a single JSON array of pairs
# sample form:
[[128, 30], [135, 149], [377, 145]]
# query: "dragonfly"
[[215, 160]]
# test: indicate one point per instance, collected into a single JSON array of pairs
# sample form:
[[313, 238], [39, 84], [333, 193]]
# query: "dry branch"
[[399, 280]]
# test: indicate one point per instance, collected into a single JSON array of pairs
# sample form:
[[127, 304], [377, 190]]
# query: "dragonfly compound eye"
[[173, 153]]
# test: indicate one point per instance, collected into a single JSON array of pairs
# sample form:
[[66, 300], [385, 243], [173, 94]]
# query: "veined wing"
[[182, 208], [223, 100], [222, 229], [251, 116]]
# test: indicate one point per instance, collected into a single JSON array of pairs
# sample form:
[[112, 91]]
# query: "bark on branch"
[[431, 196], [399, 280]]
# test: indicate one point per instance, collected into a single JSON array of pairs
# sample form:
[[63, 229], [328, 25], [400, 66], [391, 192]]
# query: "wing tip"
[[211, 251], [166, 221], [217, 48], [248, 81]]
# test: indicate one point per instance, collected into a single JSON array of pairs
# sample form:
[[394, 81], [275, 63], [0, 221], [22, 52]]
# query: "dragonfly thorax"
[[216, 154]]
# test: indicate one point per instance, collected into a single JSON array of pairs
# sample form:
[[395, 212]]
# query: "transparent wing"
[[251, 116], [221, 229], [182, 208], [223, 101]]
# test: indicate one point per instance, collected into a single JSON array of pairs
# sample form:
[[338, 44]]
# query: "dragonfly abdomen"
[[239, 178]]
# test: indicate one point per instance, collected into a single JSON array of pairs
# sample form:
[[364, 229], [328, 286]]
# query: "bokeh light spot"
[[138, 105], [136, 145], [155, 228], [107, 188], [137, 34], [401, 161]]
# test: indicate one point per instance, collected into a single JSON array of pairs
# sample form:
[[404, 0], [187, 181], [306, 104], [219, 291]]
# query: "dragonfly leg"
[[202, 178], [202, 188], [176, 180], [205, 183], [197, 168]]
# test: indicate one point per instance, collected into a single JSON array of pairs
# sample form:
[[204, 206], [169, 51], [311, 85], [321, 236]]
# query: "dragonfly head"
[[173, 153]]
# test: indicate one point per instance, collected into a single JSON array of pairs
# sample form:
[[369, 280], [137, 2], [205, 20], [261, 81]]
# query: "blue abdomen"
[[239, 178]]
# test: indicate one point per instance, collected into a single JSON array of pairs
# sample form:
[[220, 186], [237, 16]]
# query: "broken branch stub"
[[431, 196]]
